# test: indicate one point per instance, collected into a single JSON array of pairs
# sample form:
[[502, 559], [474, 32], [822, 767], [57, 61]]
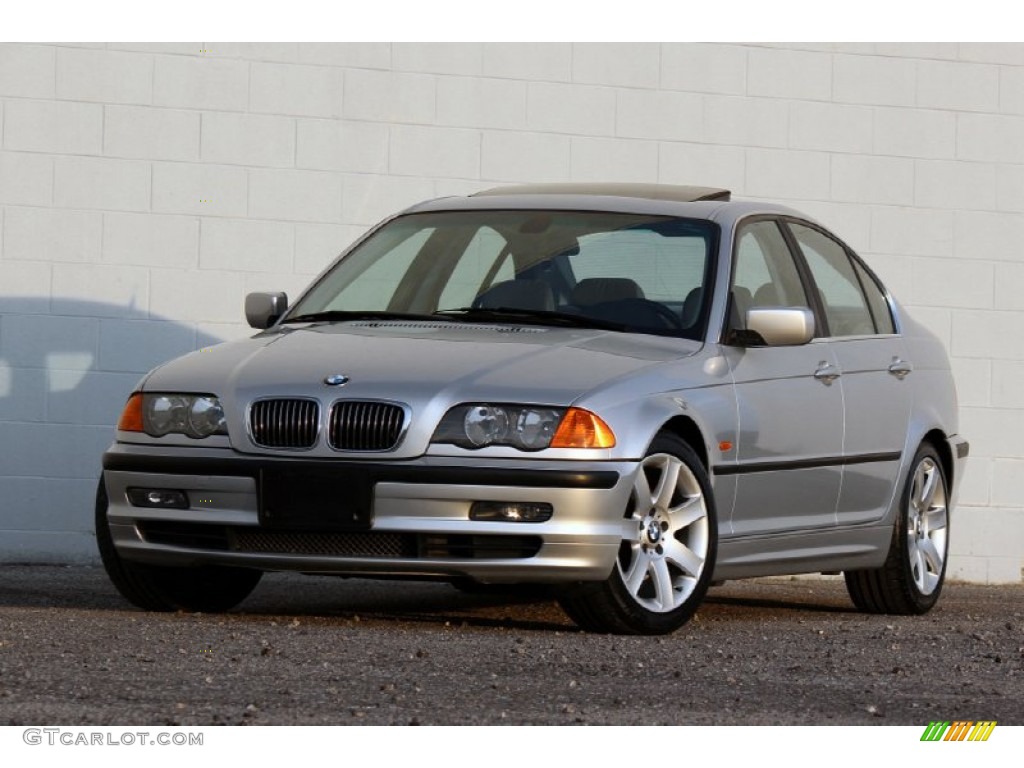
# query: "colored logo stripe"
[[934, 731], [958, 730], [982, 730]]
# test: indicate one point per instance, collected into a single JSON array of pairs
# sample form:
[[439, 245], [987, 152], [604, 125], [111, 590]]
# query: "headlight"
[[526, 427], [162, 414], [485, 424], [205, 417]]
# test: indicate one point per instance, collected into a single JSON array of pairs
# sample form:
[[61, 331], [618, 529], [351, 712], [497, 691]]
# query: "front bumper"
[[420, 510]]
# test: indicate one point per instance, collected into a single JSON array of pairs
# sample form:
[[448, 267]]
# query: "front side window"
[[765, 267], [626, 272], [764, 273]]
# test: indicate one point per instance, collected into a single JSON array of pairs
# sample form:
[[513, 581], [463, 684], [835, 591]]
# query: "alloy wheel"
[[926, 526], [662, 562]]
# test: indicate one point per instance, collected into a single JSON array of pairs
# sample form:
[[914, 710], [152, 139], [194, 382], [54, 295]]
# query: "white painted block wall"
[[144, 189]]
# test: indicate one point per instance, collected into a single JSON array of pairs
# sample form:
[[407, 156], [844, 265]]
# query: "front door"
[[788, 449], [790, 441]]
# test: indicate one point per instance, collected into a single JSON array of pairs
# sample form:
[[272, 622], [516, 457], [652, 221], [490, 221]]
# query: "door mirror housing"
[[779, 326], [262, 310]]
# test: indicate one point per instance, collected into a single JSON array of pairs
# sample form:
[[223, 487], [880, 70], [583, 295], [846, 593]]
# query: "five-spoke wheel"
[[667, 554], [910, 580], [926, 526]]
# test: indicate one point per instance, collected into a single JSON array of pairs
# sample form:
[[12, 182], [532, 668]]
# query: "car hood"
[[429, 366]]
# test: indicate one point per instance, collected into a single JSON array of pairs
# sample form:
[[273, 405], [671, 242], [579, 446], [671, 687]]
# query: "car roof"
[[699, 202]]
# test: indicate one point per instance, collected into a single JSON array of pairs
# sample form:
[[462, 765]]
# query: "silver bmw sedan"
[[623, 391]]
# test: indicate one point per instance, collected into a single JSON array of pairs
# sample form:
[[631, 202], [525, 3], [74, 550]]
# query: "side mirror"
[[781, 326], [263, 309]]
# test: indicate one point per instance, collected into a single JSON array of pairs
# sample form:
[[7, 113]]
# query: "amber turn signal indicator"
[[582, 429], [131, 416]]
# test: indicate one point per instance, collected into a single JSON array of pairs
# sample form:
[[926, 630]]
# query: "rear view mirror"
[[781, 326], [262, 310]]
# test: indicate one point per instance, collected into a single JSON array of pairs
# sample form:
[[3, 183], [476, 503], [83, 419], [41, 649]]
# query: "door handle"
[[900, 368], [827, 372]]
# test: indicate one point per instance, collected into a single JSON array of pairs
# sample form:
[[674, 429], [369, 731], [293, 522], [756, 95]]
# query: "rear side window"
[[846, 308]]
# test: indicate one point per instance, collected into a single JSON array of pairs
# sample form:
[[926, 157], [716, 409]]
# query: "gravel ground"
[[310, 650]]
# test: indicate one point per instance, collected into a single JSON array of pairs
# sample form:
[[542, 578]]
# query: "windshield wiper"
[[534, 316], [344, 314]]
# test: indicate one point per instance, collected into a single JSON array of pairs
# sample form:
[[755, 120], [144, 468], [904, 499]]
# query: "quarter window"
[[877, 302]]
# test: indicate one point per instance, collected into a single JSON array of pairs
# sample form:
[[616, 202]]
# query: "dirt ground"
[[315, 650]]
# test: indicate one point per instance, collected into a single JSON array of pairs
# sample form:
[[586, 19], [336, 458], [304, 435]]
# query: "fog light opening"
[[158, 498], [511, 511]]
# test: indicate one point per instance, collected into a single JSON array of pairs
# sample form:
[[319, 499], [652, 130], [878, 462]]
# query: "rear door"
[[874, 366]]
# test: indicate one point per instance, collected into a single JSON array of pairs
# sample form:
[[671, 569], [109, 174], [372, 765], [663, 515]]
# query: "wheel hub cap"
[[653, 532]]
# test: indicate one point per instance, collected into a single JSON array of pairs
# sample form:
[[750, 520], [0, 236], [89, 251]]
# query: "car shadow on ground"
[[291, 596], [793, 603], [329, 599]]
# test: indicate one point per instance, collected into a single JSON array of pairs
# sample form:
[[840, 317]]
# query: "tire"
[[205, 589], [910, 581], [665, 565]]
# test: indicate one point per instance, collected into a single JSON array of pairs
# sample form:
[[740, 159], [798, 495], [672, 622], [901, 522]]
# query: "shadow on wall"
[[66, 369]]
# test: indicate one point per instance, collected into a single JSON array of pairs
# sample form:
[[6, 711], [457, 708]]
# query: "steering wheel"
[[638, 313], [666, 315]]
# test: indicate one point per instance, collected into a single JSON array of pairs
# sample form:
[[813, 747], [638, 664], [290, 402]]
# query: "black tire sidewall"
[[208, 588]]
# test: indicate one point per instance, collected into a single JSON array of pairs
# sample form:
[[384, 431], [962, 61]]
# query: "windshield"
[[628, 272]]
